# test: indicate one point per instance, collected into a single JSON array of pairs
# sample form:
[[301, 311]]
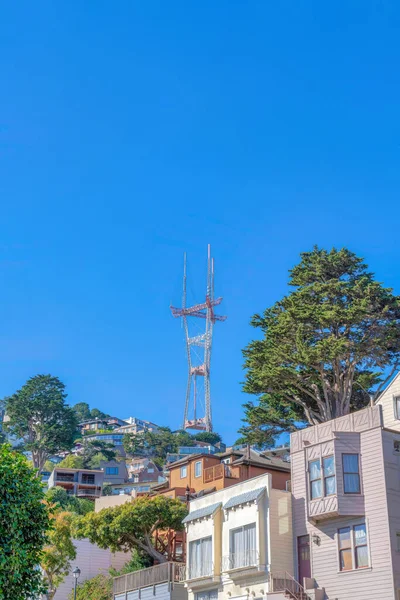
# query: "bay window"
[[200, 558], [322, 481]]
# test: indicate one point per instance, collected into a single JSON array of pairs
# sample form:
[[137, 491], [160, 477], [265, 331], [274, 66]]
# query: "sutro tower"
[[199, 350]]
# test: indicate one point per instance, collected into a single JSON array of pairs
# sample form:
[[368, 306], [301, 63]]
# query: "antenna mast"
[[198, 368]]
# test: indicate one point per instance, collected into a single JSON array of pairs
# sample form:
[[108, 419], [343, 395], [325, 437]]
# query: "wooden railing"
[[169, 572], [219, 472], [96, 493], [284, 582]]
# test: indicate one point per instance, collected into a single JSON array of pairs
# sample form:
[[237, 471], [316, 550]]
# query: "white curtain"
[[200, 558], [243, 546]]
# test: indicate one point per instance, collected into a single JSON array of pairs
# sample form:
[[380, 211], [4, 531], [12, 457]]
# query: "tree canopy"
[[133, 525], [40, 418], [24, 522], [83, 412], [210, 437], [62, 500], [58, 552], [324, 346], [156, 444]]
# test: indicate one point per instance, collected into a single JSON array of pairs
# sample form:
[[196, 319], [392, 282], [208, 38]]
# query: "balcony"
[[170, 572], [64, 478], [88, 479], [89, 493], [201, 576], [242, 564], [220, 471]]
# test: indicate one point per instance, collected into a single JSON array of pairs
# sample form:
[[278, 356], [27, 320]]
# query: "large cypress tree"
[[324, 346]]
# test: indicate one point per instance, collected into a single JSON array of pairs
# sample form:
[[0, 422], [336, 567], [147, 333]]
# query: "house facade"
[[346, 502], [206, 471], [239, 542], [84, 483]]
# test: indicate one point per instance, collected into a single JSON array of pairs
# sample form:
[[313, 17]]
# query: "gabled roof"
[[260, 460], [207, 511], [251, 496], [189, 458], [381, 395]]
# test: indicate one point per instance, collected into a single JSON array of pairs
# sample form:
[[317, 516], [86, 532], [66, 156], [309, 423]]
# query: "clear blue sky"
[[132, 131]]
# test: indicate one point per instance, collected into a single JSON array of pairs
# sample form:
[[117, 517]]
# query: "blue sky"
[[133, 131]]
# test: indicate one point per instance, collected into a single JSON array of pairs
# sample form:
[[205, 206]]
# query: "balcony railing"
[[88, 480], [91, 493], [284, 582], [200, 569], [240, 560], [219, 472], [65, 478], [166, 572]]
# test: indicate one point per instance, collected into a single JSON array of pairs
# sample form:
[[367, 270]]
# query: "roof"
[[244, 498], [190, 457], [260, 460], [206, 511]]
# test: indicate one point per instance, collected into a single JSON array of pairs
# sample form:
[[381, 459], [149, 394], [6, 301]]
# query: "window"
[[111, 470], [150, 470], [183, 472], [351, 474], [398, 542], [200, 558], [197, 468], [396, 446], [353, 547], [315, 479], [328, 464], [243, 547], [210, 595], [397, 407]]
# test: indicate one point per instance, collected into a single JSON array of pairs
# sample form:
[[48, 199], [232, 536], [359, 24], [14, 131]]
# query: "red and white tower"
[[199, 351]]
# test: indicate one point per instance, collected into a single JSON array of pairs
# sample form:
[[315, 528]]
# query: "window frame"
[[311, 481], [344, 473], [253, 525], [198, 462], [396, 400], [353, 547], [183, 471], [325, 477], [112, 470]]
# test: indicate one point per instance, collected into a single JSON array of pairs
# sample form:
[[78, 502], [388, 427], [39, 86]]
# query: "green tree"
[[95, 451], [95, 413], [72, 461], [82, 411], [210, 437], [156, 444], [58, 552], [24, 522], [39, 417], [59, 497], [322, 345], [133, 525]]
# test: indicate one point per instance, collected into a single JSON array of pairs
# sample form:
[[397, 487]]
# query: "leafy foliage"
[[83, 412], [24, 521], [59, 497], [133, 525], [323, 344], [72, 461], [156, 444], [58, 552], [41, 419], [210, 437]]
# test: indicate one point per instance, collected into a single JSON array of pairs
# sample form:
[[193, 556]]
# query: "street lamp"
[[76, 572]]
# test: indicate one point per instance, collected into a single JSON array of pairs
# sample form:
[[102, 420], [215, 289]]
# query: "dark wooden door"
[[303, 553]]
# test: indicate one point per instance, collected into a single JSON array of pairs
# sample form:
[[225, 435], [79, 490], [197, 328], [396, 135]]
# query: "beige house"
[[239, 542], [346, 503]]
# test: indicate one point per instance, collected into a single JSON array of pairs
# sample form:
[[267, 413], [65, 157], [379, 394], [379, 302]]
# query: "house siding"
[[386, 401], [281, 533], [376, 581]]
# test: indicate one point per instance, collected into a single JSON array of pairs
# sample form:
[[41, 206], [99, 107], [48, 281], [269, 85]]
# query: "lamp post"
[[76, 572]]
